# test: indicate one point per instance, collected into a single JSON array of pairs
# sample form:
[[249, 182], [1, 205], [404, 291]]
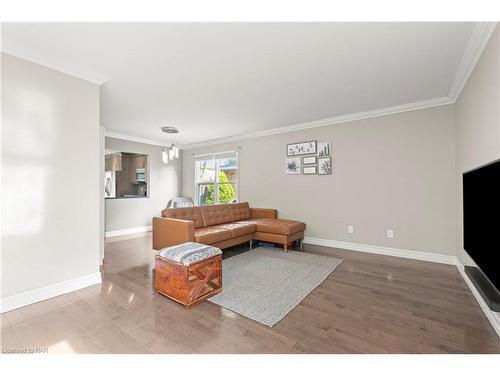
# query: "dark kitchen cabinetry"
[[130, 173]]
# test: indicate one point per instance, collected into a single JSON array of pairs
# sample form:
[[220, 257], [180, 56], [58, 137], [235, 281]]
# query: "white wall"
[[102, 217], [395, 171], [478, 128], [164, 183], [50, 178], [478, 122]]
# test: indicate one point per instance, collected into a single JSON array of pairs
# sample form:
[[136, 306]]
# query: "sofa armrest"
[[264, 213], [169, 232]]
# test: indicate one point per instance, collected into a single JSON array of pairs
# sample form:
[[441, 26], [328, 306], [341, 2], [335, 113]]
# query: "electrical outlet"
[[350, 229], [390, 233]]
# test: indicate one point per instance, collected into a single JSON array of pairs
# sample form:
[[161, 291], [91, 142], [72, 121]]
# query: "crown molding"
[[50, 62], [326, 122], [478, 40], [301, 126], [130, 138]]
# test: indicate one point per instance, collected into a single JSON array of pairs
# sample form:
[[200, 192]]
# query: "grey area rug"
[[265, 284]]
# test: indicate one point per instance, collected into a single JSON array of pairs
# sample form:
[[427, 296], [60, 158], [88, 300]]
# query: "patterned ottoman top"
[[189, 252]]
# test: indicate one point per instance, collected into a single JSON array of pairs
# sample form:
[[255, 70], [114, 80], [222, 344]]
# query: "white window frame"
[[213, 156]]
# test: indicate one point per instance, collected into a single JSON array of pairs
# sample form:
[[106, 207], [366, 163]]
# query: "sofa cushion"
[[238, 229], [211, 235], [240, 211], [277, 226], [185, 213], [216, 214]]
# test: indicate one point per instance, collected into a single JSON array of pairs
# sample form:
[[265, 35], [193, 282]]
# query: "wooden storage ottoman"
[[188, 273]]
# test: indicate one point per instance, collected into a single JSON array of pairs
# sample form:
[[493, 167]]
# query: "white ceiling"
[[214, 80]]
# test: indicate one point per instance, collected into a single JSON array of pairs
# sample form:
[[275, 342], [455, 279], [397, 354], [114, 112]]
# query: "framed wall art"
[[302, 148], [310, 170], [324, 149], [309, 160], [292, 166], [324, 166]]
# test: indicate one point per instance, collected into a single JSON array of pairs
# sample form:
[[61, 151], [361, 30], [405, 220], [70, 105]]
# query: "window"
[[217, 177]]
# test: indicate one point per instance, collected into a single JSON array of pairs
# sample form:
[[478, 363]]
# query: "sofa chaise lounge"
[[223, 226]]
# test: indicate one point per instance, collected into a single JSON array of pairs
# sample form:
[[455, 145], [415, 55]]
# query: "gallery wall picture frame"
[[308, 160], [301, 148], [292, 166], [324, 149], [324, 166], [310, 170]]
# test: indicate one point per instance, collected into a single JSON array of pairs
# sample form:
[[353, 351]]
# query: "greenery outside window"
[[217, 178]]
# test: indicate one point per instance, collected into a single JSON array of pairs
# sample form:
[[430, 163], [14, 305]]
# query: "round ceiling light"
[[169, 129]]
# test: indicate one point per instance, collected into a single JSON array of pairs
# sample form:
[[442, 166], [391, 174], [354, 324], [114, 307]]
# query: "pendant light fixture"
[[170, 151], [164, 155]]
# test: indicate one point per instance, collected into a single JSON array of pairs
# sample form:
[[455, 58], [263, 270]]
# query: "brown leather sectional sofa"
[[223, 226]]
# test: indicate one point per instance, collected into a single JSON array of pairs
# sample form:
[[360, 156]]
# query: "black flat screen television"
[[481, 204]]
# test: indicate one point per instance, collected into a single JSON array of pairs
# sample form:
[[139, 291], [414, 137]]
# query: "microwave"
[[140, 175]]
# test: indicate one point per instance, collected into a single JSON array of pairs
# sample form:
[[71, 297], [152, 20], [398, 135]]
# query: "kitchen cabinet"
[[140, 162], [113, 162]]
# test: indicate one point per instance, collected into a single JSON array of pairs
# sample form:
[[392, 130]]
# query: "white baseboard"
[[36, 295], [123, 232], [381, 250], [493, 317]]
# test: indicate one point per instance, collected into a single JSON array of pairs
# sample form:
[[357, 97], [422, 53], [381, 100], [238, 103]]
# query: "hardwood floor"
[[370, 304]]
